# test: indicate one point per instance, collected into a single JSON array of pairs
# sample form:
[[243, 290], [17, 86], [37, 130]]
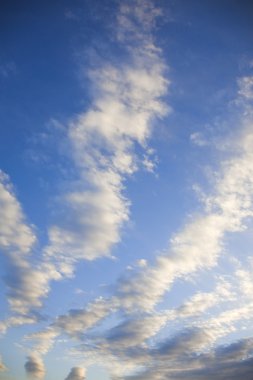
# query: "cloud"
[[179, 359], [134, 331], [185, 342], [16, 320], [78, 321], [15, 233], [76, 373], [202, 301], [43, 340], [235, 351], [195, 248], [127, 98], [246, 87], [199, 244], [246, 282], [198, 139], [34, 367], [25, 284], [103, 143], [136, 19], [28, 285]]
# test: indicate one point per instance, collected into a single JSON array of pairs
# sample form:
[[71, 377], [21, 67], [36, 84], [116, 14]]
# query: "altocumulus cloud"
[[196, 247], [180, 359], [26, 283], [103, 141]]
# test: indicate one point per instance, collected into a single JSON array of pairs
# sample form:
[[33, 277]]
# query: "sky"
[[126, 190]]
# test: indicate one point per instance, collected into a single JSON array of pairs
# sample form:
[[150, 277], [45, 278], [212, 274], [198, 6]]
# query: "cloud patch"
[[34, 367], [76, 373]]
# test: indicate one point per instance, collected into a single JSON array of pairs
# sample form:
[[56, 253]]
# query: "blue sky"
[[126, 191]]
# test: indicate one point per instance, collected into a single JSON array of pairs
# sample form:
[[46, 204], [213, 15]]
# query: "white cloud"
[[76, 322], [16, 320], [76, 373], [246, 87], [198, 139], [25, 284], [136, 19], [196, 247], [142, 263], [103, 140], [44, 340], [15, 233], [199, 244], [202, 301], [245, 283]]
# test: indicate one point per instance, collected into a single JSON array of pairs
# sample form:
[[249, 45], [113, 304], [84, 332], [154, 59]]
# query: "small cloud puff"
[[142, 263], [198, 139], [76, 373], [35, 367]]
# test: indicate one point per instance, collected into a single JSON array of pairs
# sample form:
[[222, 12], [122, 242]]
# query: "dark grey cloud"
[[179, 359], [188, 341]]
